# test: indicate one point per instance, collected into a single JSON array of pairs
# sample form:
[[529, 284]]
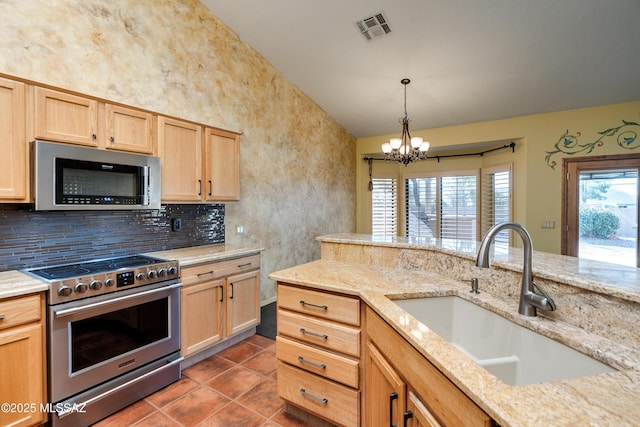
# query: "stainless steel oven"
[[113, 336]]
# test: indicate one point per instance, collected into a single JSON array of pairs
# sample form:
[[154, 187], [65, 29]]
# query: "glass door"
[[601, 210]]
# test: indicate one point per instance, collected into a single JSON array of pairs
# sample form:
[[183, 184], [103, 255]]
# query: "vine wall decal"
[[568, 143]]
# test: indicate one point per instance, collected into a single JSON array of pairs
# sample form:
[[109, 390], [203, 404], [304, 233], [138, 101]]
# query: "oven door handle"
[[88, 402], [74, 310]]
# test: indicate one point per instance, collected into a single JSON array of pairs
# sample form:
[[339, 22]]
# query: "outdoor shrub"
[[598, 222]]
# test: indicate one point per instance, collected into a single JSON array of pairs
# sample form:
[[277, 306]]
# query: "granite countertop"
[[605, 399], [15, 283], [597, 276], [195, 255]]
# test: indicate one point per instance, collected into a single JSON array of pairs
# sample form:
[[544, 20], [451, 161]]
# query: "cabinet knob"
[[112, 139]]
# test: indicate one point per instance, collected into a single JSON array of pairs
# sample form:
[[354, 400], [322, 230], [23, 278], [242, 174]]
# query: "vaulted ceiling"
[[468, 60]]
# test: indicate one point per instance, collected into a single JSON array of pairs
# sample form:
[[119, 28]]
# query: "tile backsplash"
[[34, 239]]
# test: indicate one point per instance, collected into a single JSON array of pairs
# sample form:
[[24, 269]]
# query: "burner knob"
[[80, 287], [151, 274], [172, 271], [162, 272], [140, 276], [95, 285], [108, 282], [64, 291]]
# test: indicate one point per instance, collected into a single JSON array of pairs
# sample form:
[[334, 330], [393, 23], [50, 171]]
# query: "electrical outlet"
[[176, 224], [239, 230]]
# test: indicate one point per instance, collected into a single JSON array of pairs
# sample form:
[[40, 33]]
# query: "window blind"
[[458, 207], [384, 207], [421, 207], [496, 201]]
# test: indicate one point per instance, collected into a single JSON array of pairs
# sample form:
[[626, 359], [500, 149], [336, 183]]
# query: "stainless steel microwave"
[[68, 177]]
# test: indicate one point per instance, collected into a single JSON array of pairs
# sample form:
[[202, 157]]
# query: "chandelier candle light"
[[406, 149]]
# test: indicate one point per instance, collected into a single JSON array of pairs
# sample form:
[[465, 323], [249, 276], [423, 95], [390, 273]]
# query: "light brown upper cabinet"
[[180, 148], [63, 117], [222, 165], [195, 173], [14, 163], [128, 129]]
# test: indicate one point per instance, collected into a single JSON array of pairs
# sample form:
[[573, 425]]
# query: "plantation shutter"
[[384, 207], [496, 201], [421, 207], [458, 207]]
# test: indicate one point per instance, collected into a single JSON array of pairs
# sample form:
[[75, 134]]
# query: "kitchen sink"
[[512, 353]]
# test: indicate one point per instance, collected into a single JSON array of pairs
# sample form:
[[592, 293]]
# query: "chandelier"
[[406, 149]]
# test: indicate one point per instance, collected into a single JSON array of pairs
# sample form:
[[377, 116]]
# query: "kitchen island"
[[594, 316]]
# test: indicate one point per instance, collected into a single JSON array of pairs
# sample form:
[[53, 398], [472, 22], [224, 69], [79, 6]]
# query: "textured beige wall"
[[537, 187], [297, 178]]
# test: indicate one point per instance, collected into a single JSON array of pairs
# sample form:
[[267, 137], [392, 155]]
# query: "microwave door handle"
[[146, 199]]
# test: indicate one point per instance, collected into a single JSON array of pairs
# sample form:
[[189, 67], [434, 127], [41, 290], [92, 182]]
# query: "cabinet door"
[[180, 150], [200, 316], [417, 414], [128, 129], [385, 391], [13, 144], [22, 374], [243, 302], [63, 117], [222, 165]]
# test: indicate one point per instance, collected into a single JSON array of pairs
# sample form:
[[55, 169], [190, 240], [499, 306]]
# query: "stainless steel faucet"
[[529, 299]]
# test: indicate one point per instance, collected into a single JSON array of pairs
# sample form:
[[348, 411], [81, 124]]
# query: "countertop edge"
[[14, 283]]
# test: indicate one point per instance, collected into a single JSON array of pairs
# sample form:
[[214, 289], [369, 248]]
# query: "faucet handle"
[[474, 285]]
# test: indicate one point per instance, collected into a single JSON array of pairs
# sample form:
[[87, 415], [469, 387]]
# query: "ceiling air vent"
[[374, 27]]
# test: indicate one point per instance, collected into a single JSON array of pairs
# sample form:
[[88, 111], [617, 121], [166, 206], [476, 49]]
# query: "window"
[[496, 201], [441, 205], [384, 207]]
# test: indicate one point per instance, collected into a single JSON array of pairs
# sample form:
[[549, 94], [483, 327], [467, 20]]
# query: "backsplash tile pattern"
[[33, 239]]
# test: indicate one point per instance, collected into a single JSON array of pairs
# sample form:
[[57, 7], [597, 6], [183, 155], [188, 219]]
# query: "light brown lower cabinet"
[[22, 361], [341, 362], [218, 300], [318, 349], [404, 388]]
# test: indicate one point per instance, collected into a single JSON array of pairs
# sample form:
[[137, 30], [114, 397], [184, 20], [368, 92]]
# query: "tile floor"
[[235, 387]]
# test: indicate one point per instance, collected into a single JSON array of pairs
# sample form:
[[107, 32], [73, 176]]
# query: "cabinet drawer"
[[324, 398], [333, 336], [329, 365], [16, 311], [320, 304], [213, 270]]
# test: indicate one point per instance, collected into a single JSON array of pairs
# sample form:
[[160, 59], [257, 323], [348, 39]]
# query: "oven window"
[[109, 335]]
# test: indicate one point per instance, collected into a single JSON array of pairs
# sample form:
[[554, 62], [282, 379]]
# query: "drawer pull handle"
[[392, 396], [407, 415], [1, 316], [323, 336], [322, 400], [315, 365], [205, 273], [323, 307], [244, 265]]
